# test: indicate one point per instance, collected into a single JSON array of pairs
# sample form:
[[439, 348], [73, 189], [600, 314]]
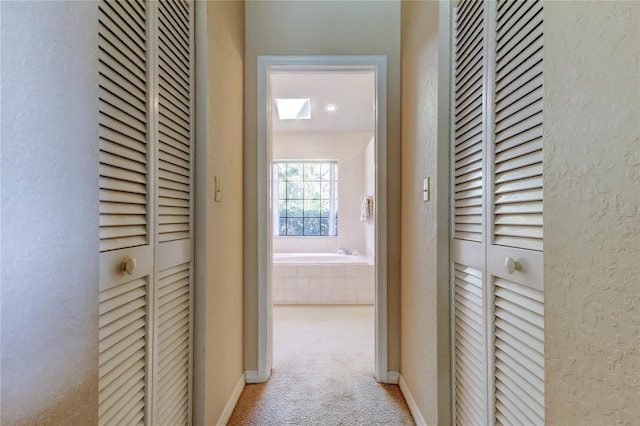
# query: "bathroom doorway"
[[322, 150]]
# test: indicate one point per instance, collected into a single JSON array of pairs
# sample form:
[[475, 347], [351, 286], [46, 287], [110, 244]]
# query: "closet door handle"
[[511, 265], [128, 265]]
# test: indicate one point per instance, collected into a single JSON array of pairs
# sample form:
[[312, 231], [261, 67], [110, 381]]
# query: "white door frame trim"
[[378, 64]]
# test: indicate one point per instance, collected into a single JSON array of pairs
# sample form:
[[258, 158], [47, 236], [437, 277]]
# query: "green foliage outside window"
[[306, 197]]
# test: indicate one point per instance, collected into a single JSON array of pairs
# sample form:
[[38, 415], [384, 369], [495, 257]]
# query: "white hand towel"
[[366, 208]]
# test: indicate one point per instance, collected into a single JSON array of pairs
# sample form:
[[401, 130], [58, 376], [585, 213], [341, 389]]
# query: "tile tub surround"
[[323, 283]]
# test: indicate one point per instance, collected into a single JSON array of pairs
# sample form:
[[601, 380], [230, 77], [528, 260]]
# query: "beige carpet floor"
[[322, 373]]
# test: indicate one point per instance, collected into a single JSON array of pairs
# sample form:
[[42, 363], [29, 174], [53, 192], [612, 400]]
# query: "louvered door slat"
[[519, 353], [173, 137], [138, 6], [515, 21], [518, 157], [527, 160], [115, 17], [526, 33], [178, 152], [468, 113], [512, 77], [171, 17], [474, 378], [123, 126], [122, 351], [118, 82], [469, 184], [467, 316], [173, 316], [520, 361], [177, 36], [122, 145], [118, 127], [122, 185], [468, 339], [125, 162], [525, 106], [528, 142], [517, 88], [176, 17], [112, 409], [123, 57], [529, 384], [470, 67], [127, 104], [469, 355], [177, 186], [111, 174], [508, 118], [466, 389], [174, 123], [175, 177], [174, 378], [507, 8], [173, 96], [521, 58], [134, 9], [173, 159], [126, 119], [118, 88], [179, 122], [469, 294], [468, 27]]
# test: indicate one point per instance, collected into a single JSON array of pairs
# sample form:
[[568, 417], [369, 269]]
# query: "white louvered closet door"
[[468, 246], [126, 225], [497, 264], [173, 291], [145, 212], [515, 257]]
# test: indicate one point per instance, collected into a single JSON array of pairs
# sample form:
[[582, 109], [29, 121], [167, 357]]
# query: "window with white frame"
[[305, 198]]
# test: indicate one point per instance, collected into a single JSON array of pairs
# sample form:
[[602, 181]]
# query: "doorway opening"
[[322, 192]]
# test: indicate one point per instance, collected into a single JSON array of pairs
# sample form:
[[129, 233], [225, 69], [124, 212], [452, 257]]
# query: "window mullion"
[[332, 199]]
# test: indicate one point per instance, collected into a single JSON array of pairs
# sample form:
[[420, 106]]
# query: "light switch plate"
[[426, 190]]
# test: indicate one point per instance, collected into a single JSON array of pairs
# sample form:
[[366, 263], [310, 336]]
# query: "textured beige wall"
[[592, 212], [49, 213], [424, 302], [322, 28], [218, 316]]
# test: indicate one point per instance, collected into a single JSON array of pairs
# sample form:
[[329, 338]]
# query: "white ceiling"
[[352, 92]]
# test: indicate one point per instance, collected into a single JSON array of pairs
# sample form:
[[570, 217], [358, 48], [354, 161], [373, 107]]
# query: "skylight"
[[293, 109]]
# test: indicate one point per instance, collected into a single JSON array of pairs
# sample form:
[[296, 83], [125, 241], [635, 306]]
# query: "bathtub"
[[322, 278], [318, 259]]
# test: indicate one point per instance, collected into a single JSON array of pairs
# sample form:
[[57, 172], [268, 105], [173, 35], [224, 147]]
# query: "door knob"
[[128, 265], [511, 265]]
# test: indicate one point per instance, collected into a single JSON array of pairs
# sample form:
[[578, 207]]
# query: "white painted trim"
[[377, 63], [200, 321], [252, 376], [413, 407], [393, 377], [265, 349], [231, 403]]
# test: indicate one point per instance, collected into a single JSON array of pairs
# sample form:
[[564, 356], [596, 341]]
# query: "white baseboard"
[[392, 377], [413, 407], [251, 376], [231, 403]]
